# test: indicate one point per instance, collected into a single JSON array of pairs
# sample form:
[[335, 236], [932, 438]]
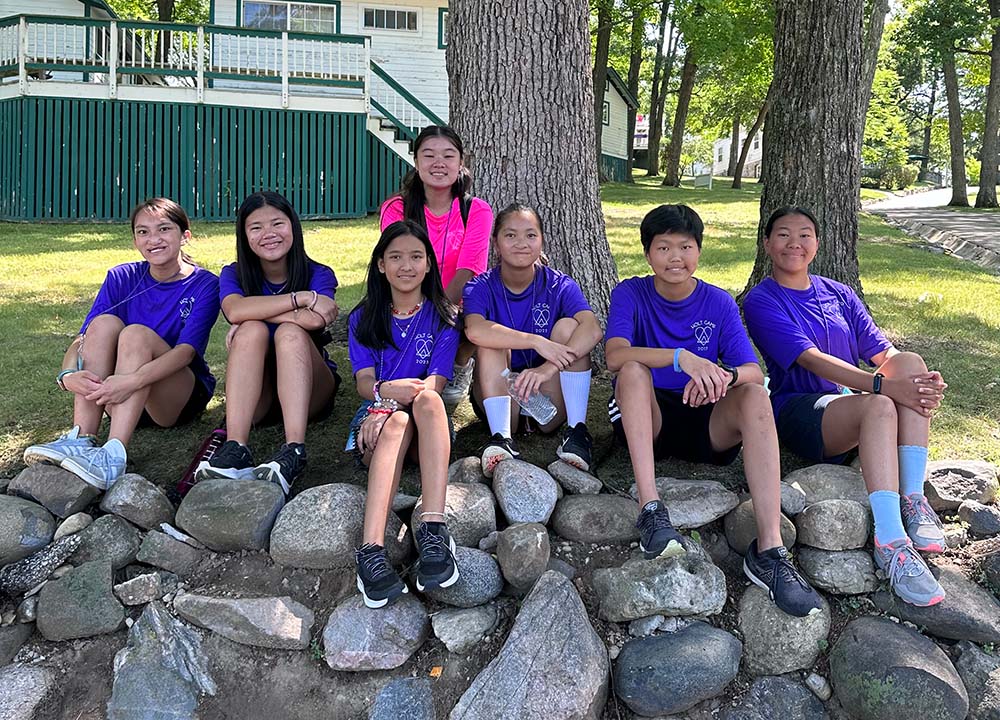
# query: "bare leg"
[[100, 348], [304, 382], [385, 466], [561, 333], [868, 422], [642, 422], [913, 428], [245, 378], [434, 442]]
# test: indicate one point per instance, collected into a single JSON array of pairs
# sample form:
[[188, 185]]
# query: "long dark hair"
[[412, 192], [248, 264], [374, 328], [166, 208]]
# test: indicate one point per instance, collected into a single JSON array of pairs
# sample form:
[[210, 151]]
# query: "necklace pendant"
[[403, 333]]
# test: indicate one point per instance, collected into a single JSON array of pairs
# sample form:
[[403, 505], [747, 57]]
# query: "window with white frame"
[[293, 16], [756, 142], [389, 19]]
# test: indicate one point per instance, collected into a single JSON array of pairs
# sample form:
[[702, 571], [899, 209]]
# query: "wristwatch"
[[732, 371], [877, 384], [61, 375]]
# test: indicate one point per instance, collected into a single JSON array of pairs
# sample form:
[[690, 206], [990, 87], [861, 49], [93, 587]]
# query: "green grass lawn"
[[947, 310]]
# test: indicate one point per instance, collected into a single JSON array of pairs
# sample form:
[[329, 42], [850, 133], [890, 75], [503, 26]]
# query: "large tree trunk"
[[600, 76], [751, 134], [672, 173], [956, 136], [987, 197], [656, 117], [812, 138], [872, 43], [165, 14], [512, 114], [925, 149], [734, 147], [634, 69]]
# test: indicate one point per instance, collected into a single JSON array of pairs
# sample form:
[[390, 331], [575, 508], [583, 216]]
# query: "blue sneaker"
[[908, 574], [68, 445], [99, 466], [657, 537]]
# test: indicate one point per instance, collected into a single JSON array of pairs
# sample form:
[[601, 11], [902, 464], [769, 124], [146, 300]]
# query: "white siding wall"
[[70, 8], [752, 165], [614, 136]]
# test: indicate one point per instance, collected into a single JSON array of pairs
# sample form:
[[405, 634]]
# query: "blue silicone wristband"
[[677, 358]]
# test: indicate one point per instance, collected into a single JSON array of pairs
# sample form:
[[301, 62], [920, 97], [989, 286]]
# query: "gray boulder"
[[983, 520], [108, 538], [321, 527], [80, 604], [775, 643], [470, 510], [479, 580], [161, 672], [793, 500], [145, 588], [882, 670], [523, 554], [408, 698], [73, 524], [952, 482], [829, 482], [573, 480], [466, 470], [685, 586], [777, 698], [665, 674], [980, 673], [21, 576], [834, 525], [25, 691], [740, 527], [139, 501], [12, 637], [270, 622], [62, 493], [845, 572], [596, 519], [230, 515], [461, 629], [162, 551], [524, 492], [358, 638], [553, 665], [693, 503], [25, 528]]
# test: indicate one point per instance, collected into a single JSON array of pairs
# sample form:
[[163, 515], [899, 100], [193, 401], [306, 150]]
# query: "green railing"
[[398, 105]]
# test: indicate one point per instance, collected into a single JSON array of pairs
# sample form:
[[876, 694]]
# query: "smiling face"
[[158, 238], [673, 258], [405, 263], [269, 233], [519, 240], [792, 244], [438, 162]]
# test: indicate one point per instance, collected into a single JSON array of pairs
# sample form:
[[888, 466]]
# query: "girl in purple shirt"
[[813, 332], [402, 344], [140, 353], [279, 304]]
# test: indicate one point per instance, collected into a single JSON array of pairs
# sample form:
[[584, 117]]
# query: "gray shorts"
[[800, 426]]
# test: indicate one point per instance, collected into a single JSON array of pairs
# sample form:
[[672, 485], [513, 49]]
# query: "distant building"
[[720, 161]]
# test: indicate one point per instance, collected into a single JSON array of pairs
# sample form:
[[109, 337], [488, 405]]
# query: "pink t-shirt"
[[457, 247]]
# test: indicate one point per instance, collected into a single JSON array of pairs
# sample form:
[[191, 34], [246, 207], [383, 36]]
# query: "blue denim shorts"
[[800, 426]]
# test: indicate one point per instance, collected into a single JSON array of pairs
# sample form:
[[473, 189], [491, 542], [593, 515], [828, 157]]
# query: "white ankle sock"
[[498, 414], [576, 394]]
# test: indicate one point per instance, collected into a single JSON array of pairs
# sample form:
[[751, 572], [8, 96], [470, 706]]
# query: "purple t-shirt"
[[181, 311], [784, 323], [322, 280], [428, 348], [551, 296], [706, 323]]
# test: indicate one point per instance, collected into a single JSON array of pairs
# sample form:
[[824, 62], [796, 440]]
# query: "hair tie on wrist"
[[677, 359]]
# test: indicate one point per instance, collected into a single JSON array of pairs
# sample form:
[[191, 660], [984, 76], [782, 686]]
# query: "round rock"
[[774, 642], [983, 520], [470, 510], [770, 698], [952, 482], [139, 501], [461, 629], [741, 528], [596, 519], [73, 524], [479, 580], [573, 480], [523, 553], [846, 572], [524, 492], [829, 482], [108, 538], [358, 638], [409, 698], [231, 515], [685, 586], [80, 604], [793, 500], [834, 525], [466, 470], [25, 528], [61, 492], [693, 503]]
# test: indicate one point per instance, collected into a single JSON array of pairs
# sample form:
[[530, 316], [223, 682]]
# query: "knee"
[[133, 338], [754, 402], [290, 335], [396, 425], [880, 408], [427, 403], [633, 372], [563, 330], [905, 363], [104, 326]]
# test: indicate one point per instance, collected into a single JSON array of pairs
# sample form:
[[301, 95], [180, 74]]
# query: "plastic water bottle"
[[537, 406]]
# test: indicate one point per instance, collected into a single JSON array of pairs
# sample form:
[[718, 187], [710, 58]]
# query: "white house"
[[619, 103], [720, 161]]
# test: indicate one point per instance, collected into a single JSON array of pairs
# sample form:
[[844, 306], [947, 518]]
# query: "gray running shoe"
[[70, 444], [99, 466], [457, 388], [908, 574], [922, 523]]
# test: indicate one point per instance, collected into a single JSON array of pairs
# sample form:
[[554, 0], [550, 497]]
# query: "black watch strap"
[[877, 384]]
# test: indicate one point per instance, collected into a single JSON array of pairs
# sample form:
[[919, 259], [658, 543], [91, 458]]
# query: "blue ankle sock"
[[912, 469], [888, 521]]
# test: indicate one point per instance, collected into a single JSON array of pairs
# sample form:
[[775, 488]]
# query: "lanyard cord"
[[531, 308]]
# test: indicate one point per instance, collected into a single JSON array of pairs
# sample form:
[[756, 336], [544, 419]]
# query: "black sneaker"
[[657, 537], [378, 582], [498, 449], [576, 447], [774, 572], [436, 566], [284, 466], [232, 461]]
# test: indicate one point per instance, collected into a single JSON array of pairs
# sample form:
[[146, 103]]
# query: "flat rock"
[[161, 672], [139, 501], [553, 666], [775, 643], [25, 528], [61, 492], [230, 515], [952, 482], [596, 519], [980, 672], [321, 527], [793, 500], [162, 551], [403, 502], [408, 698], [73, 524], [12, 638], [845, 572], [829, 482], [146, 588], [270, 622], [983, 520], [685, 586], [479, 580], [573, 480], [834, 525], [665, 674], [25, 690], [777, 698], [461, 629], [967, 613], [466, 470], [885, 671], [562, 567], [108, 538], [358, 638], [524, 492], [693, 503], [470, 510], [80, 604], [740, 527], [21, 576], [523, 554]]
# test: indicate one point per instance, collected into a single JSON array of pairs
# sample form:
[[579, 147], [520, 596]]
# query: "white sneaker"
[[457, 388], [99, 466], [70, 444]]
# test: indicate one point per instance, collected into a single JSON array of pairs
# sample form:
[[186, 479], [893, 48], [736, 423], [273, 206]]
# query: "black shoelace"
[[374, 563], [787, 574], [433, 548], [652, 520], [287, 457]]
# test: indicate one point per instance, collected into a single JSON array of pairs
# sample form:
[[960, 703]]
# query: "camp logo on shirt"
[[540, 315], [703, 332], [424, 345], [187, 305]]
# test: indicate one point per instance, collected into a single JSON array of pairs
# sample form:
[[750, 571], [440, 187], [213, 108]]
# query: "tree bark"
[[600, 77], [655, 117], [928, 129], [987, 196], [751, 134], [873, 41], [521, 90], [165, 14], [956, 136], [812, 138], [672, 173], [634, 69], [734, 147]]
